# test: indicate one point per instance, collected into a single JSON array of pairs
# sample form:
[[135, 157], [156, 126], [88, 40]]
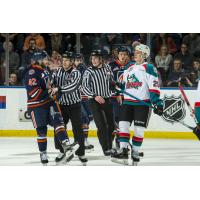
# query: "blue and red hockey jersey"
[[36, 82]]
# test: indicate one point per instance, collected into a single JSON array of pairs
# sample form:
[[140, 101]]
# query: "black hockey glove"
[[117, 86], [196, 131], [158, 109]]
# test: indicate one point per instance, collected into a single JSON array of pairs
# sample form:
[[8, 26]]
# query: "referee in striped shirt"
[[96, 85], [67, 82]]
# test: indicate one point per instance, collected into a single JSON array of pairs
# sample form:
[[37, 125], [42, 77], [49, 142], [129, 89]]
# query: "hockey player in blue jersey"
[[117, 67], [86, 114], [42, 109]]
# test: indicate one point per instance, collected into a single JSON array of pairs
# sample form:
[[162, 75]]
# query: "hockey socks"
[[42, 139], [85, 129], [137, 139], [61, 133]]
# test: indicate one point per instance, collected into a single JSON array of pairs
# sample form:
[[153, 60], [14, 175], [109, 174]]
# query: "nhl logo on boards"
[[173, 107]]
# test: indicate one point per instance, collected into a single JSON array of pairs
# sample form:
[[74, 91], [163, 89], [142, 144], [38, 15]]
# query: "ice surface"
[[157, 152]]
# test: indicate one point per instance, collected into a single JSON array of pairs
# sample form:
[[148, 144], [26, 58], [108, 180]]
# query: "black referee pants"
[[103, 118], [73, 113]]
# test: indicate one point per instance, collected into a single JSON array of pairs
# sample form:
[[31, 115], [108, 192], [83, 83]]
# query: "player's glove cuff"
[[158, 109]]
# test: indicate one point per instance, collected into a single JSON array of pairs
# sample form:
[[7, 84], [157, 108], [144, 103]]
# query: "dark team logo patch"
[[31, 72], [173, 108]]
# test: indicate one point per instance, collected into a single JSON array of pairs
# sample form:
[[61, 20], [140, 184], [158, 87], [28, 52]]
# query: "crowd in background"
[[176, 56]]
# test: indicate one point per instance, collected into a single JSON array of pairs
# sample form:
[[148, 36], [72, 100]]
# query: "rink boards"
[[14, 120]]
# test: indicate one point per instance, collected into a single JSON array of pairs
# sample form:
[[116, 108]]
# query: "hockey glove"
[[53, 91], [158, 109], [196, 131], [117, 87]]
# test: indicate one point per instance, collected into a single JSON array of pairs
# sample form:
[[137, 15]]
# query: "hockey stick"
[[183, 123], [57, 104], [50, 83], [145, 103], [187, 102]]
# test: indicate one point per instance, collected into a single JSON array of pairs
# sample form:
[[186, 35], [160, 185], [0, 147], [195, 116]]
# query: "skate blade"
[[120, 161], [65, 159], [135, 163], [89, 150], [44, 164], [69, 158], [84, 163]]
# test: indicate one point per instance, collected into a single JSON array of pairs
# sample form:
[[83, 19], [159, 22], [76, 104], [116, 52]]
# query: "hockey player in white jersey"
[[141, 81]]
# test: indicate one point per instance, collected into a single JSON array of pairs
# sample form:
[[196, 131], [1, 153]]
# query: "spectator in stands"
[[178, 74], [140, 37], [26, 58], [13, 57], [13, 80], [163, 39], [54, 42], [177, 37], [185, 57], [1, 44], [27, 55], [2, 72], [196, 66], [163, 61], [17, 39], [111, 39], [192, 40], [193, 77], [68, 42], [55, 60], [40, 43], [96, 41]]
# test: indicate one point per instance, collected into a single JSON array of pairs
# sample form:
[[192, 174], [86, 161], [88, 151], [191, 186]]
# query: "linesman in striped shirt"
[[96, 85], [68, 82]]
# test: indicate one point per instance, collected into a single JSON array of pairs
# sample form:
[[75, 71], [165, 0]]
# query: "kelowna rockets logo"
[[173, 107], [133, 82]]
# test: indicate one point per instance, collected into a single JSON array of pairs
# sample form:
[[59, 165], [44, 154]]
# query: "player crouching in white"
[[141, 81]]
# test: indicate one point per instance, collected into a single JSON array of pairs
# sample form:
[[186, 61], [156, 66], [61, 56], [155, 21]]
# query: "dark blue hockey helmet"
[[122, 49], [39, 56]]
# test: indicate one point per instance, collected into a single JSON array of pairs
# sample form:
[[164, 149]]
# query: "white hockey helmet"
[[144, 49]]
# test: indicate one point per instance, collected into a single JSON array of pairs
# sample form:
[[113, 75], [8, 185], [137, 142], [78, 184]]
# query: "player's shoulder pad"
[[31, 72], [130, 63], [151, 69]]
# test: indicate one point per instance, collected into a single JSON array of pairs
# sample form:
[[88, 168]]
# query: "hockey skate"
[[89, 147], [68, 153], [60, 156], [120, 156], [107, 152], [44, 158], [82, 158], [135, 157], [141, 154]]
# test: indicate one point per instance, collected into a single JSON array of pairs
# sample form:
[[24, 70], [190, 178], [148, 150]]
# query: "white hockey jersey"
[[141, 81]]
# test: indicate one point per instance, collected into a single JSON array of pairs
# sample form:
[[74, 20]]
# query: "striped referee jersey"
[[69, 84], [97, 82]]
